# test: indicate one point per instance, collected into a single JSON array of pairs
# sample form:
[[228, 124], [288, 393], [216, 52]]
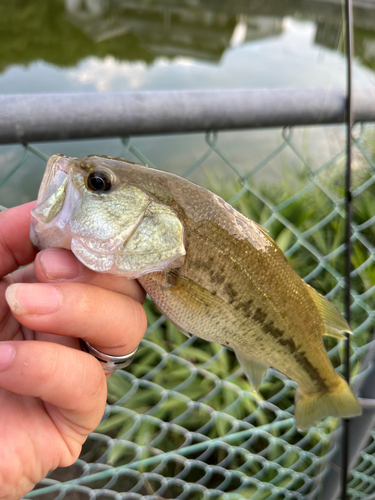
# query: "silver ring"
[[109, 363]]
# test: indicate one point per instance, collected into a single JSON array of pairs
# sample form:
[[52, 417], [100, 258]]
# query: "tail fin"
[[341, 402]]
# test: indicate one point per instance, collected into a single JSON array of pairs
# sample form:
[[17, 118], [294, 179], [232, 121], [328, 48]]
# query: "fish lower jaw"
[[97, 261], [55, 238], [112, 262]]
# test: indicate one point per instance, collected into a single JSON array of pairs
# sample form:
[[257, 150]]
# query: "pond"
[[119, 45]]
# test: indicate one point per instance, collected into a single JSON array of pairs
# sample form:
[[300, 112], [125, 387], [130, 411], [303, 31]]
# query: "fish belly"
[[246, 325]]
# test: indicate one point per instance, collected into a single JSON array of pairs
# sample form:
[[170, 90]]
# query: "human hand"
[[52, 395]]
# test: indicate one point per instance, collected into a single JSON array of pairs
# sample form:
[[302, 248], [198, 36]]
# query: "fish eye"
[[98, 181]]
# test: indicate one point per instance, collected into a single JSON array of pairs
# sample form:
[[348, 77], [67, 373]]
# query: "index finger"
[[16, 248]]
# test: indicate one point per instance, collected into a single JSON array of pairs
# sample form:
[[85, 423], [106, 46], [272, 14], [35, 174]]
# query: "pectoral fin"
[[254, 370], [201, 313], [335, 324]]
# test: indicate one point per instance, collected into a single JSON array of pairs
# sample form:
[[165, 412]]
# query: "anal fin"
[[254, 370]]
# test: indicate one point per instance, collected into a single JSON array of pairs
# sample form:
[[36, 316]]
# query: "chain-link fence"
[[182, 421]]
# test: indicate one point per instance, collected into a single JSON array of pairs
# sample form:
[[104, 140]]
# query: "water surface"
[[119, 45]]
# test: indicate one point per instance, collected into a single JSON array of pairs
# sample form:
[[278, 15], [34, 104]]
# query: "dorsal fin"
[[334, 323]]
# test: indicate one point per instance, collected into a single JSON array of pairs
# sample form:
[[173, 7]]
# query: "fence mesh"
[[182, 421]]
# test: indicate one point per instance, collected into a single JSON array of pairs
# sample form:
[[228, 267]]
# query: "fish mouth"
[[52, 191], [54, 176], [56, 199]]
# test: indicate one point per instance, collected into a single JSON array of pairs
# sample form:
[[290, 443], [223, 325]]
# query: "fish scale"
[[211, 271]]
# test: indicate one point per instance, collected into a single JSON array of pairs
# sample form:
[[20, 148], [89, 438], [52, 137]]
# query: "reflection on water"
[[116, 45], [162, 30], [203, 30], [191, 30], [65, 32]]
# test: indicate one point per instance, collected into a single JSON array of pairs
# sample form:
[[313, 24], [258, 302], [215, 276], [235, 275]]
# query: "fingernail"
[[60, 265], [29, 298], [7, 353]]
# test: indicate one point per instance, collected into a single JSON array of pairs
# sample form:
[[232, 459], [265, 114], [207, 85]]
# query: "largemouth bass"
[[211, 271]]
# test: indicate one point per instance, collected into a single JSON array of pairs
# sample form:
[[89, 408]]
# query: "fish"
[[211, 271]]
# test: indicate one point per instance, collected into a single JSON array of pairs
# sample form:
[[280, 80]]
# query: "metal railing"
[[49, 117]]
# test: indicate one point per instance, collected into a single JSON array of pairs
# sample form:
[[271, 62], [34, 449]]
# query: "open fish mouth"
[[51, 194], [55, 175], [51, 209]]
